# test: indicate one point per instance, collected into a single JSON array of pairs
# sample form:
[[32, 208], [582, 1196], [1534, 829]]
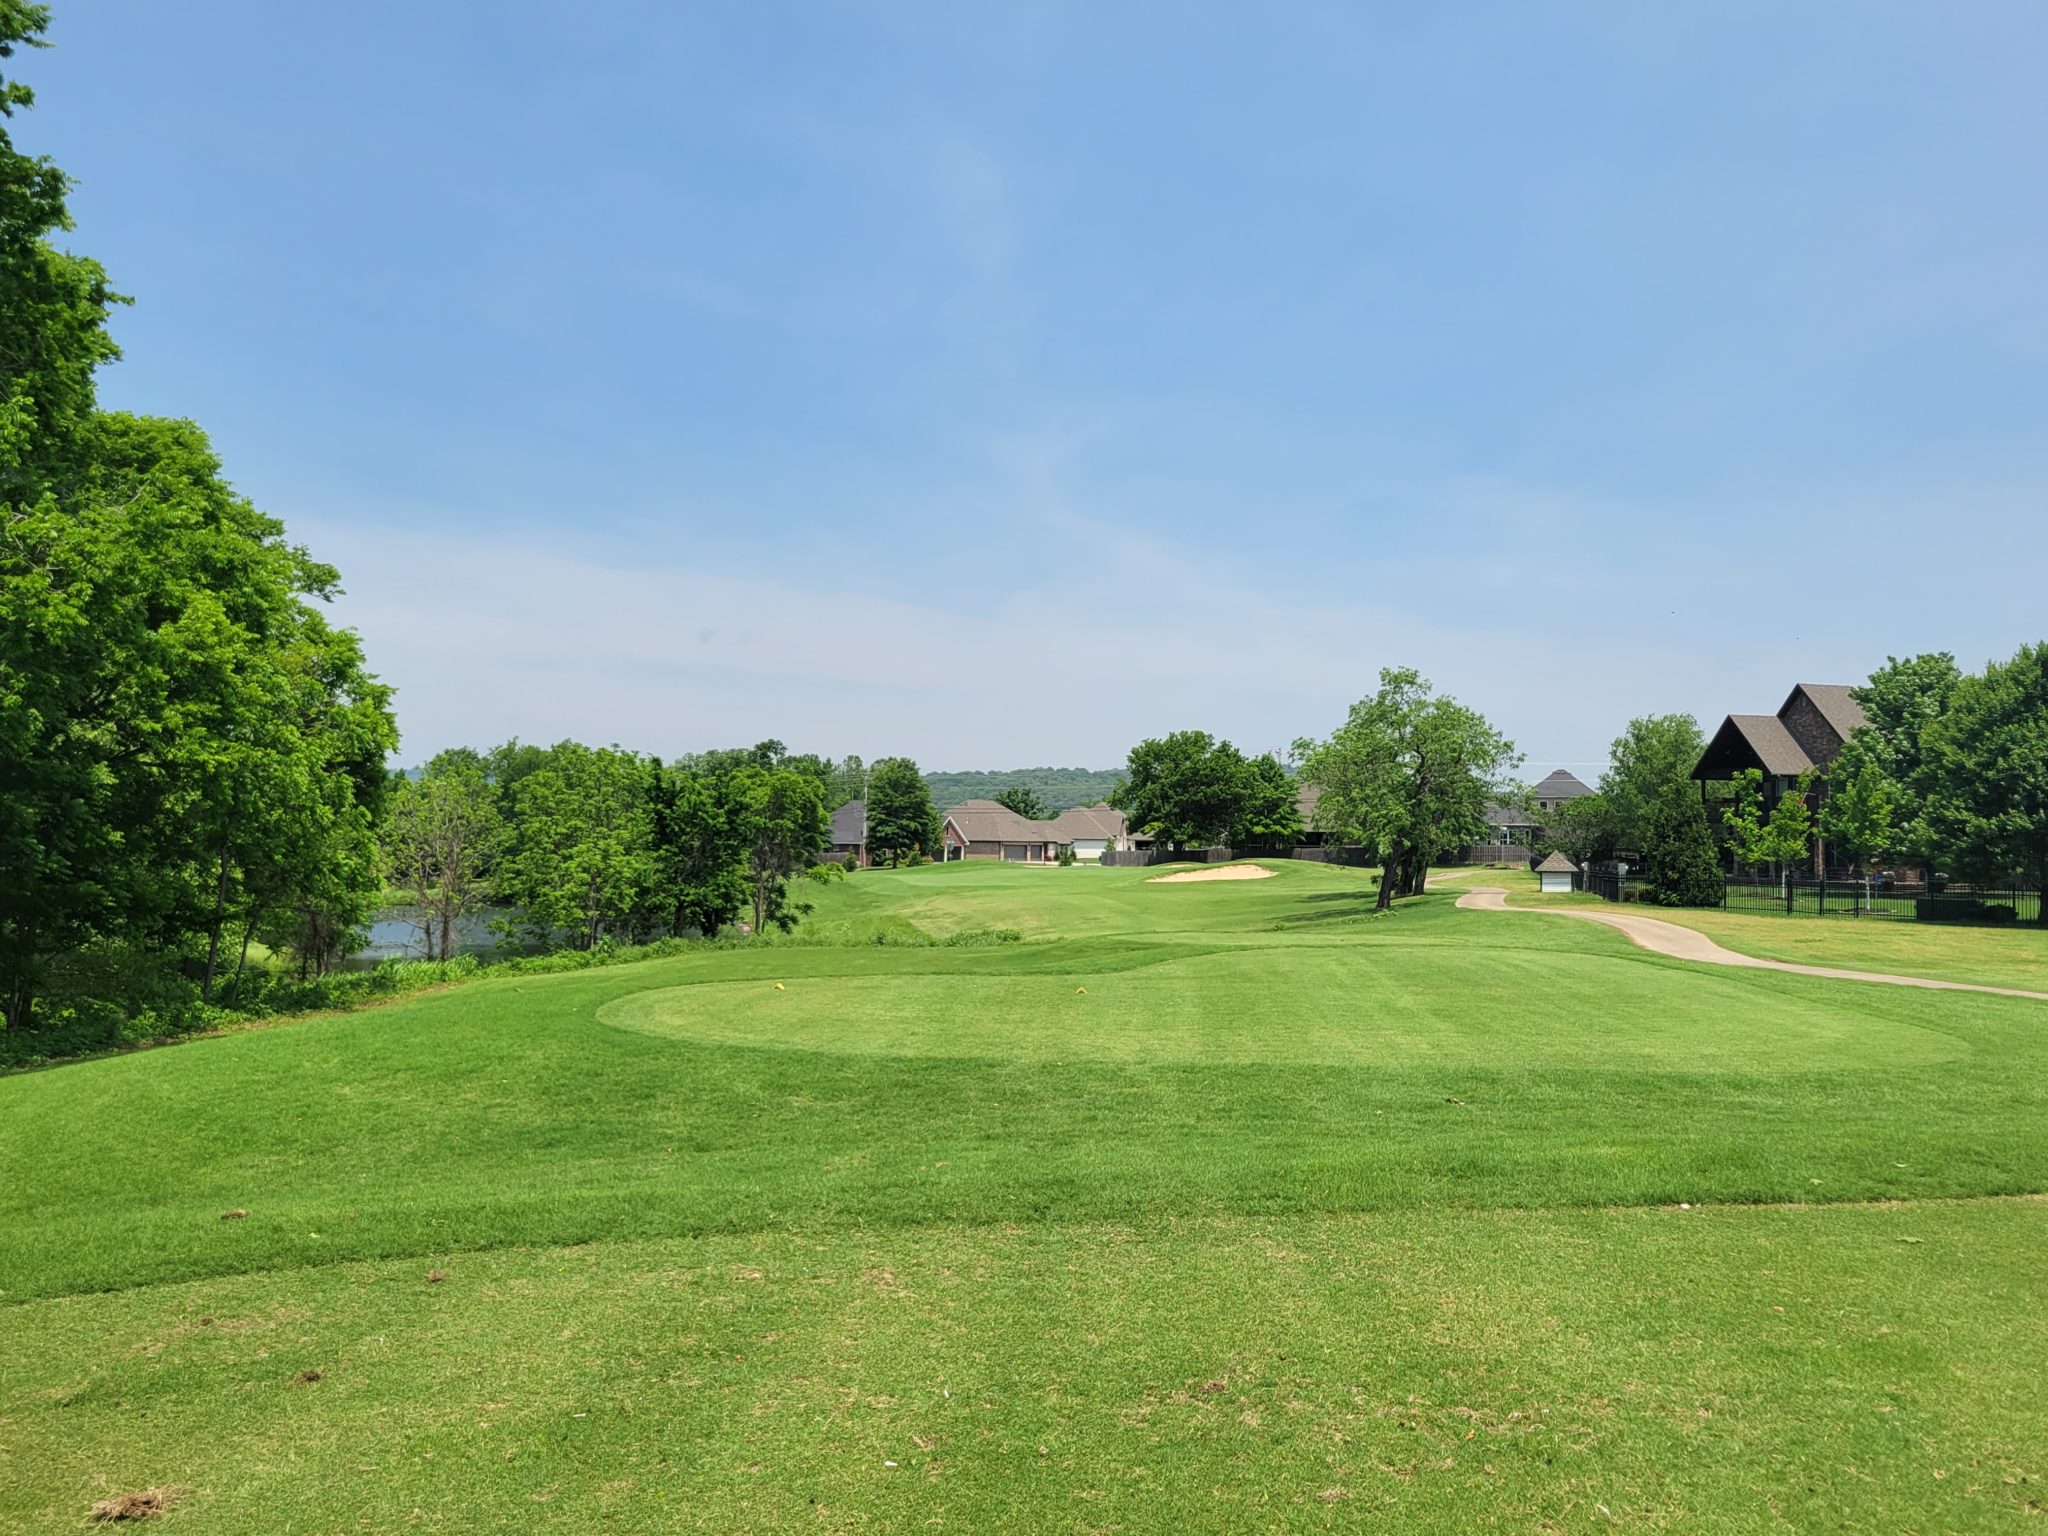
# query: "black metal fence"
[[1611, 882], [1970, 905], [1976, 905]]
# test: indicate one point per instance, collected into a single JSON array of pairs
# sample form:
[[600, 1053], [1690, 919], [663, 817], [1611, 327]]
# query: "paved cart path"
[[1690, 944]]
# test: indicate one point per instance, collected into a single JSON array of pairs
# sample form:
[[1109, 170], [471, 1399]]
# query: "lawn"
[[1216, 1206], [1999, 957]]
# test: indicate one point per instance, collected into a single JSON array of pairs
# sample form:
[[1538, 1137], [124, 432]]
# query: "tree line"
[[1048, 791], [587, 845]]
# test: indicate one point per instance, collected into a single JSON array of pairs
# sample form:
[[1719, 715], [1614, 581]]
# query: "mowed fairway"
[[1216, 1206]]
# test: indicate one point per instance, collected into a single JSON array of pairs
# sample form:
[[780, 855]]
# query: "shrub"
[[1682, 866]]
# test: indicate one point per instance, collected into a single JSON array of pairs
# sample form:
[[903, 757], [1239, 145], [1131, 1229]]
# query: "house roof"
[[1305, 799], [1836, 703], [1086, 821], [1768, 742], [1561, 786], [983, 821], [850, 824], [1557, 864], [1765, 738], [1509, 816]]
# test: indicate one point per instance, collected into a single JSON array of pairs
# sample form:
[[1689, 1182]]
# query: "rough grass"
[[1222, 1207]]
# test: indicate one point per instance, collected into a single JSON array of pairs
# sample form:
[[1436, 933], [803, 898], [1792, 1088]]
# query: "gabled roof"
[[1561, 786], [1090, 821], [1510, 816], [1836, 703], [1557, 864], [850, 824], [1762, 737], [984, 821]]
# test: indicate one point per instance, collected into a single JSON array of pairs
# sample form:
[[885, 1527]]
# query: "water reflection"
[[396, 934]]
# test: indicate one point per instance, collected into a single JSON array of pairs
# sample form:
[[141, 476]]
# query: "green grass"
[[1999, 957], [717, 1249]]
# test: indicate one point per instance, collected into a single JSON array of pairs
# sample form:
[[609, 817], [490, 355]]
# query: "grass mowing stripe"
[[1708, 1371]]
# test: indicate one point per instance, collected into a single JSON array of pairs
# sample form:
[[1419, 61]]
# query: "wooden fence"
[[1145, 858]]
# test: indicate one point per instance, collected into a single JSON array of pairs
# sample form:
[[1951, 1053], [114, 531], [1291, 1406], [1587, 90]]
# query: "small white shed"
[[1555, 874]]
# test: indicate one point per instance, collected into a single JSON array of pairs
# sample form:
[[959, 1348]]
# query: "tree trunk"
[[220, 902], [1388, 876], [248, 928], [21, 1004], [1414, 869]]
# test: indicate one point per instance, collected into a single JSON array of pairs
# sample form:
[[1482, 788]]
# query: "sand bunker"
[[1220, 872]]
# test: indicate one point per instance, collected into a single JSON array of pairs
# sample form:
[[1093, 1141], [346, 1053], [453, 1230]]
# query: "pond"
[[395, 935]]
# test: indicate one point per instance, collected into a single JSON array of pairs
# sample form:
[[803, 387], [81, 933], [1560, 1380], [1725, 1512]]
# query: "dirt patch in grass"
[[146, 1505], [1220, 872]]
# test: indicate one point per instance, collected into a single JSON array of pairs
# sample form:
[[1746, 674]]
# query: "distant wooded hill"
[[1059, 788]]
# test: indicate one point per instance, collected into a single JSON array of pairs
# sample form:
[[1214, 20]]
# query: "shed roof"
[[1557, 864]]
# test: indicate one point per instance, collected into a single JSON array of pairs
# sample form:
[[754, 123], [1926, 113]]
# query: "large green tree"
[[902, 821], [1878, 786], [700, 850], [1650, 764], [785, 828], [1268, 805], [186, 746], [1187, 790], [1986, 771], [580, 859], [442, 833], [1580, 827], [1024, 800], [1409, 774]]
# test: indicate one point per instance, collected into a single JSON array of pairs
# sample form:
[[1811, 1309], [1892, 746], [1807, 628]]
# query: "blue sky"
[[1002, 384]]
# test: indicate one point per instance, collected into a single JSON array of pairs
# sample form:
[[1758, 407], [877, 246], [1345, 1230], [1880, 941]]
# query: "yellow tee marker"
[[779, 987], [1080, 991]]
